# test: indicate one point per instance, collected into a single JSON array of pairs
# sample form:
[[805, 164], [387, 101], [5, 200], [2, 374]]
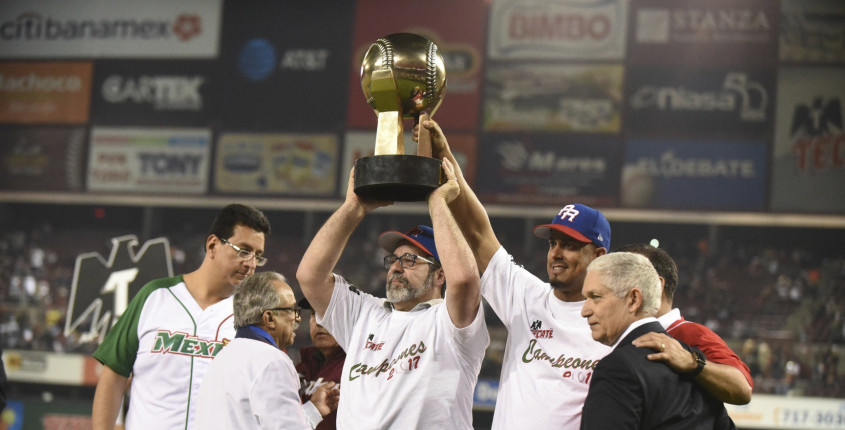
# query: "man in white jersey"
[[550, 353], [412, 360], [174, 327]]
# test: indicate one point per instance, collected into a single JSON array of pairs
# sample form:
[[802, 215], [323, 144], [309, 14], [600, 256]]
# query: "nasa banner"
[[42, 159], [138, 160], [548, 169], [458, 30], [102, 287], [695, 174], [809, 152], [274, 76], [725, 32], [721, 101], [148, 92]]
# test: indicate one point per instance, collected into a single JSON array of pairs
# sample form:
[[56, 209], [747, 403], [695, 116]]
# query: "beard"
[[406, 292]]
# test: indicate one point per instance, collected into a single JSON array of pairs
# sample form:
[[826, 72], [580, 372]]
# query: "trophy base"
[[396, 178]]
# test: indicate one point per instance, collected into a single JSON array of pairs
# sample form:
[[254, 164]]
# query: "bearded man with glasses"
[[174, 327], [412, 360]]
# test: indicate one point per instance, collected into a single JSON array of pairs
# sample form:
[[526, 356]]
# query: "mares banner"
[[283, 66], [809, 152], [103, 287], [154, 93], [695, 174], [42, 159], [458, 30], [548, 170]]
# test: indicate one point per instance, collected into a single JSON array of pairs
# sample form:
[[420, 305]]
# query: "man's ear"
[[210, 242], [635, 301], [269, 319], [440, 277], [600, 251]]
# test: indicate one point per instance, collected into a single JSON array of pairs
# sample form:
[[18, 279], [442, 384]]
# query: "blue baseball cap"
[[421, 236], [579, 222]]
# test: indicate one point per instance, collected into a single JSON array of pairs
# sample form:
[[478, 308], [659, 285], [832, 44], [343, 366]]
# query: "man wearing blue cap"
[[412, 360], [550, 353]]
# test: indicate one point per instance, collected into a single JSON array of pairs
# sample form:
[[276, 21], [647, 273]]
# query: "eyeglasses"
[[406, 261], [296, 310], [245, 255]]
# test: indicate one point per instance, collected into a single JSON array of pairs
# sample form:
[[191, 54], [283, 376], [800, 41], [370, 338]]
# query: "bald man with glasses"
[[413, 359], [174, 327]]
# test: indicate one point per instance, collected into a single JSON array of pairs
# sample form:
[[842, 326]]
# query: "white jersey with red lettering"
[[550, 353], [403, 370], [166, 342]]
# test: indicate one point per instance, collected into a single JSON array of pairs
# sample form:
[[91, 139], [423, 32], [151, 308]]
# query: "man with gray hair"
[[252, 383], [627, 391]]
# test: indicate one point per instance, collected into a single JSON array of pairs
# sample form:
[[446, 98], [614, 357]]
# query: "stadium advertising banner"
[[147, 92], [164, 161], [553, 97], [694, 174], [557, 29], [458, 30], [42, 159], [103, 287], [809, 150], [767, 411], [707, 101], [114, 29], [548, 169], [811, 31], [295, 164], [362, 144], [710, 32], [274, 76], [48, 92]]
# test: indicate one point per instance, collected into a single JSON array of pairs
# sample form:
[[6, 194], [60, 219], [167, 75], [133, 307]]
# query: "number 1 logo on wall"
[[102, 288]]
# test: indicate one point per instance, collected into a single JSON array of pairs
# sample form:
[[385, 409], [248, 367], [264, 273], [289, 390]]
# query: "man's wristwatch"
[[700, 361]]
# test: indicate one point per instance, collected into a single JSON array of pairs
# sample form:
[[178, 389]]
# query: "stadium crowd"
[[781, 308]]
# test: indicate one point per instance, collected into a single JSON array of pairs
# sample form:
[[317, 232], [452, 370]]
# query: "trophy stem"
[[424, 137], [389, 139]]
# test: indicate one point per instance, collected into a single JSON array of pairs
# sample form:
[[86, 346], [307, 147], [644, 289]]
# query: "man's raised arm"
[[315, 270]]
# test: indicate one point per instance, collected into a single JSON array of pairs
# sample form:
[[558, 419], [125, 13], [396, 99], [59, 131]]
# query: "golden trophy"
[[403, 76]]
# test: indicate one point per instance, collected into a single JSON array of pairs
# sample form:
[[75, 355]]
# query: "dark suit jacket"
[[628, 391]]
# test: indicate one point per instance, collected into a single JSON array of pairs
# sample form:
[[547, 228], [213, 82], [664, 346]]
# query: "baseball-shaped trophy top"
[[418, 71]]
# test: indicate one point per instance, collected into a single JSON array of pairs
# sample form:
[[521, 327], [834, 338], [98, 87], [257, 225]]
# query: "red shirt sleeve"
[[710, 344]]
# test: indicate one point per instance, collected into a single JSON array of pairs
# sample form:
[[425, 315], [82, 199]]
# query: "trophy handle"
[[424, 137]]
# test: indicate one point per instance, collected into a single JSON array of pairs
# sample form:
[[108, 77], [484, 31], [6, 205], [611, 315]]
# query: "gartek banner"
[[109, 29], [169, 161], [174, 93]]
